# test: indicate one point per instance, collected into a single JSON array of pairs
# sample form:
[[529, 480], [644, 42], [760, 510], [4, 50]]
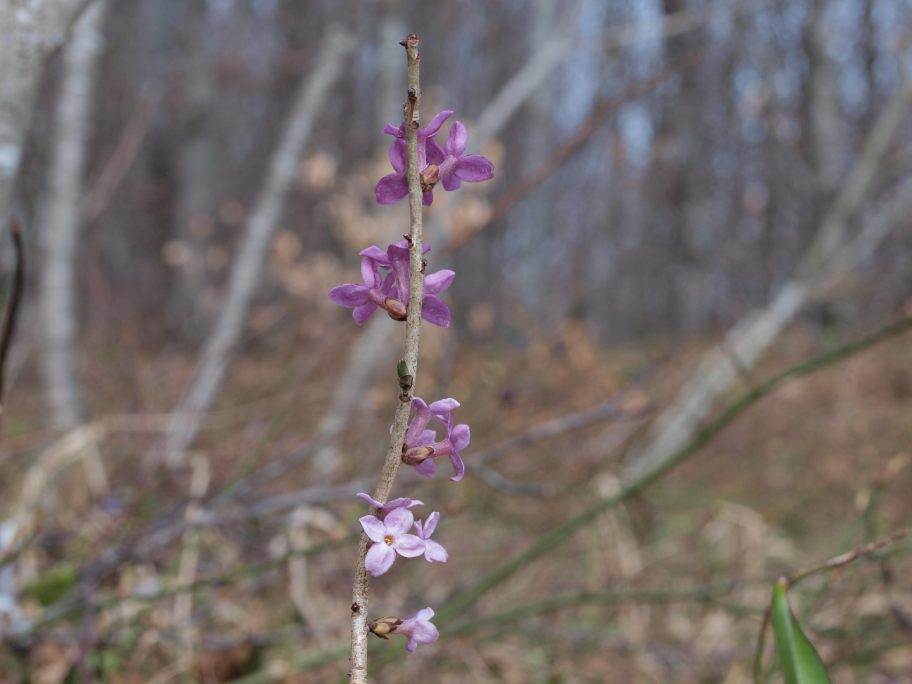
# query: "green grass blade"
[[797, 655]]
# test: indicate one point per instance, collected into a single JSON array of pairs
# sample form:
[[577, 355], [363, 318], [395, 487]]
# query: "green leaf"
[[53, 585], [799, 659]]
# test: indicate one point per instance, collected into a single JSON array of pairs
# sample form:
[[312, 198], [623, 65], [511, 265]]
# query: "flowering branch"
[[359, 623]]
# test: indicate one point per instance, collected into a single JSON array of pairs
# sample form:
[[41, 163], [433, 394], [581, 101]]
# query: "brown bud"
[[429, 177], [384, 626], [417, 455], [395, 309]]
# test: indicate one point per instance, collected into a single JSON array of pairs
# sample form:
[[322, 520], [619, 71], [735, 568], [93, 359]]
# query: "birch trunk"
[[29, 33], [60, 218]]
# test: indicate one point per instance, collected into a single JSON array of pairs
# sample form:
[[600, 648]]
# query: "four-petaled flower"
[[421, 447], [433, 309], [377, 291], [389, 537], [390, 291], [433, 552], [419, 629], [393, 504], [458, 166], [449, 165]]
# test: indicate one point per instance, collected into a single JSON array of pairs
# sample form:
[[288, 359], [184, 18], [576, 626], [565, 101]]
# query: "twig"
[[359, 631], [831, 564], [12, 308]]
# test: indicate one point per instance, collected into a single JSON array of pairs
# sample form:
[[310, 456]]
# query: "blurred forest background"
[[690, 197]]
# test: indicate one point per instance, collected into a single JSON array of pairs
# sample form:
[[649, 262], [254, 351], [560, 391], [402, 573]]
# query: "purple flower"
[[389, 538], [390, 291], [376, 291], [433, 309], [458, 166], [401, 502], [420, 446], [432, 550], [393, 187], [418, 629], [429, 151]]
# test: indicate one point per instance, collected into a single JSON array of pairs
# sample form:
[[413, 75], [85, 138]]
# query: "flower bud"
[[396, 309], [417, 455], [384, 626], [429, 177], [405, 378]]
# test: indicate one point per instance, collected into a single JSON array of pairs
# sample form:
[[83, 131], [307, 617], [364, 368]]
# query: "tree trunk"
[[29, 33], [200, 393], [60, 218]]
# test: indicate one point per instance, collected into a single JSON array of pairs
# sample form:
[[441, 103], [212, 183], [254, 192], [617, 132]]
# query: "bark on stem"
[[359, 633]]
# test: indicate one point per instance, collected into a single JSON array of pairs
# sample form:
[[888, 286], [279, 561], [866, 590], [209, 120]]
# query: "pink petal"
[[403, 502], [373, 528], [408, 545], [439, 281], [374, 253], [474, 168], [390, 189], [428, 198], [434, 124], [451, 182], [426, 468], [399, 521], [368, 499], [435, 311], [443, 406], [396, 132], [434, 153], [425, 438], [363, 312], [398, 156], [431, 524], [369, 273], [458, 467], [349, 295], [457, 140], [460, 436], [434, 552], [379, 558]]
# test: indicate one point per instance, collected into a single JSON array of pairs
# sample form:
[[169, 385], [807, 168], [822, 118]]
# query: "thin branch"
[[790, 581], [359, 630], [12, 308]]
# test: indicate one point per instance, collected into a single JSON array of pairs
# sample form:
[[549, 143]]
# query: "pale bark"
[[830, 255], [59, 220], [393, 460], [29, 33], [201, 392]]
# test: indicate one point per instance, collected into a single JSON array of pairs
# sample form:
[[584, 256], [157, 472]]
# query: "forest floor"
[[669, 587]]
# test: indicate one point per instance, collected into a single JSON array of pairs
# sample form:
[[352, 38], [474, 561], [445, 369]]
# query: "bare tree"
[[202, 389], [831, 253], [29, 33], [60, 218]]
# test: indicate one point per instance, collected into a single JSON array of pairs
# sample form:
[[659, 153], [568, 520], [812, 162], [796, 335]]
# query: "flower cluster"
[[386, 286], [392, 528], [448, 166]]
